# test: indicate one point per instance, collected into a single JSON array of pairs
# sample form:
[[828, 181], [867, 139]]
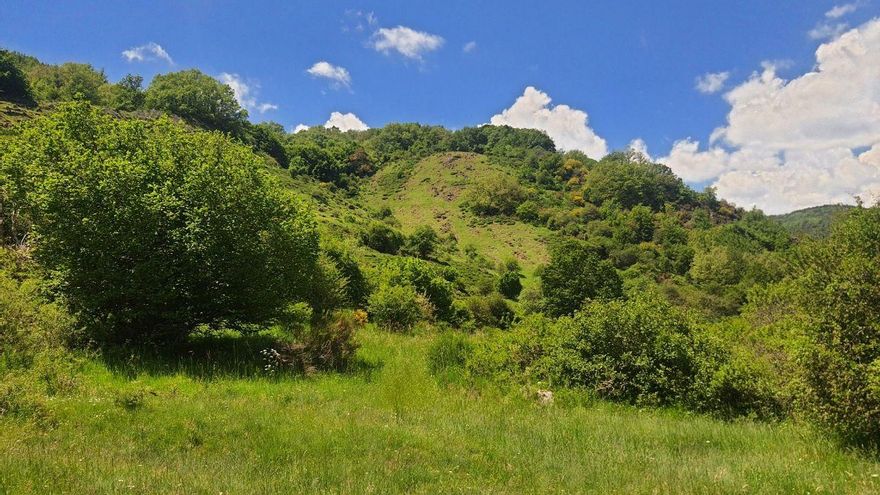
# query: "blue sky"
[[631, 66]]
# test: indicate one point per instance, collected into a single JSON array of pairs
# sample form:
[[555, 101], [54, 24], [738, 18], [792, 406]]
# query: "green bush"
[[398, 307], [422, 243], [356, 287], [510, 285], [490, 311], [576, 274], [640, 351], [428, 279], [151, 229], [837, 287], [382, 238], [637, 351]]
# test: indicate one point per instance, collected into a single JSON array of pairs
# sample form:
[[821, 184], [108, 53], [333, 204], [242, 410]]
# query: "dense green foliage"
[[14, 85], [575, 275], [197, 98], [836, 286], [152, 230], [811, 222]]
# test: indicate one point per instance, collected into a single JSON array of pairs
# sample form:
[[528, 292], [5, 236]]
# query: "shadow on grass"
[[213, 356]]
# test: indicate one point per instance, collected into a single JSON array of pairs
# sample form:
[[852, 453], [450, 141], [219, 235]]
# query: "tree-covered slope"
[[811, 222]]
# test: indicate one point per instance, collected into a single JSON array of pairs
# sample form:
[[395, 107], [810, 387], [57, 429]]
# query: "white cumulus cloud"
[[711, 82], [405, 41], [147, 53], [245, 94], [345, 122], [338, 75], [790, 144], [469, 46], [568, 127]]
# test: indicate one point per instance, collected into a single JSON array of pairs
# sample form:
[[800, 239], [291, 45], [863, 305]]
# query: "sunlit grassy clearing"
[[390, 428]]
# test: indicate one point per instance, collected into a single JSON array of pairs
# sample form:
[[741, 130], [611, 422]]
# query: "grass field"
[[202, 423]]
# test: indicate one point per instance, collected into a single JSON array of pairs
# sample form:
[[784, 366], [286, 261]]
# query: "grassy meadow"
[[211, 420]]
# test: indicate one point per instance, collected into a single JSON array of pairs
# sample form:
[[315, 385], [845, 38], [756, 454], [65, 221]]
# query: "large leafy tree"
[[152, 230], [198, 98]]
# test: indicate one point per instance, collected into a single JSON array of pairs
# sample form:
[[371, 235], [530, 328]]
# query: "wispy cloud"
[[711, 82], [408, 42], [832, 27], [147, 53], [469, 46], [841, 10]]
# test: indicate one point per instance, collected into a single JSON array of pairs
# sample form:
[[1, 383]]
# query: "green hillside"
[[432, 192], [194, 303], [811, 222]]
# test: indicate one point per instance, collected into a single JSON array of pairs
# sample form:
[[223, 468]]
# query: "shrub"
[[509, 285], [328, 288], [356, 287], [728, 385], [499, 197], [422, 243], [576, 274], [398, 307], [152, 230], [837, 289], [382, 238], [490, 311], [428, 279], [635, 351]]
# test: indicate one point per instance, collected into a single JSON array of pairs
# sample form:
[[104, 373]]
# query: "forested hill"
[[812, 222], [154, 216]]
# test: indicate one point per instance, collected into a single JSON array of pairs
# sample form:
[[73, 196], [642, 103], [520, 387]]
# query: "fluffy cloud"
[[712, 82], [469, 46], [405, 41], [245, 94], [345, 122], [147, 53], [342, 121], [565, 125], [338, 75], [790, 144]]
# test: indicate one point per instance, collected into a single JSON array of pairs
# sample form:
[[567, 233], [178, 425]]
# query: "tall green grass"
[[217, 424]]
